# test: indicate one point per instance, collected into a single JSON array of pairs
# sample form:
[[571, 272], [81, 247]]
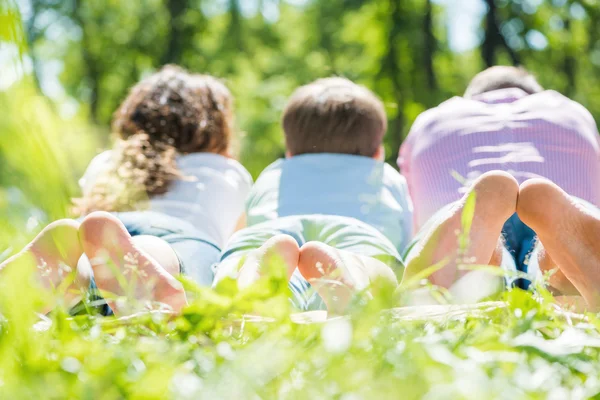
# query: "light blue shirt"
[[335, 184]]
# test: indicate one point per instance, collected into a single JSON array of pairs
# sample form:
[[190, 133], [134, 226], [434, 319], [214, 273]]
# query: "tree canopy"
[[265, 48]]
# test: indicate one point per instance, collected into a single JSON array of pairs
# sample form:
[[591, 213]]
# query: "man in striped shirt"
[[504, 122]]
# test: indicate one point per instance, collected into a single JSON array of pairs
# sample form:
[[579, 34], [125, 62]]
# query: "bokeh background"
[[66, 64], [84, 54]]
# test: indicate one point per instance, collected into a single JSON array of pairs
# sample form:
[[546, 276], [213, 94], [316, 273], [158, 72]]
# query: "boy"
[[332, 204], [504, 131], [334, 163]]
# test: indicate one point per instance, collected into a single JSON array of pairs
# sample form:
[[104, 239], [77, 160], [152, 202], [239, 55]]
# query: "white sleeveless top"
[[211, 197]]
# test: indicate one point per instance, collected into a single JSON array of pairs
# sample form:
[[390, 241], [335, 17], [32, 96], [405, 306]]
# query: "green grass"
[[521, 347]]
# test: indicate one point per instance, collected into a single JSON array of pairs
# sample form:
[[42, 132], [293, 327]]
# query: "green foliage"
[[466, 220], [264, 49], [521, 347]]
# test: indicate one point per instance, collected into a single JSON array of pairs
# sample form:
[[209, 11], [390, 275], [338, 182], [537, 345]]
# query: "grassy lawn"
[[519, 346]]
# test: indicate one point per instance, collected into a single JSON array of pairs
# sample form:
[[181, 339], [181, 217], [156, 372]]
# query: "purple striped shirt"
[[540, 135]]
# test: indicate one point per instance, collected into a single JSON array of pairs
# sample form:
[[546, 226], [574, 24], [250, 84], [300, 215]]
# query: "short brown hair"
[[170, 112], [334, 115], [502, 77]]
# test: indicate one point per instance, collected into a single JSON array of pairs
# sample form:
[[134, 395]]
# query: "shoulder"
[[268, 178], [448, 109], [98, 164], [553, 99], [563, 100], [272, 169], [394, 178], [101, 159], [398, 186], [567, 108], [191, 163], [237, 168], [266, 186]]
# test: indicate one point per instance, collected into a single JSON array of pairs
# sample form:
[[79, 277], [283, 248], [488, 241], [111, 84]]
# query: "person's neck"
[[504, 95], [378, 157], [226, 153]]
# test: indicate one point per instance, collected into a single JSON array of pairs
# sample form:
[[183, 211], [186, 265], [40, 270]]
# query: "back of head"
[[192, 113], [334, 115], [171, 112], [502, 77]]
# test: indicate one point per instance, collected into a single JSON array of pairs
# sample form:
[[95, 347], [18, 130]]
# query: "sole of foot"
[[496, 195], [125, 271], [569, 232], [54, 254], [337, 275], [558, 284], [279, 249]]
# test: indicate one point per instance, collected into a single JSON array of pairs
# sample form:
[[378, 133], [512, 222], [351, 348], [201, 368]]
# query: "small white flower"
[[337, 335]]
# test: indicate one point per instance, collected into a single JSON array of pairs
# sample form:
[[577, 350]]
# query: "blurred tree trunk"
[[91, 65], [569, 62], [488, 47], [325, 33], [430, 46], [494, 37], [594, 25], [235, 25], [390, 67], [178, 34]]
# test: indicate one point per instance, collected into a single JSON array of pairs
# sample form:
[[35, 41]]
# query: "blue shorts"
[[196, 253], [343, 233], [519, 241]]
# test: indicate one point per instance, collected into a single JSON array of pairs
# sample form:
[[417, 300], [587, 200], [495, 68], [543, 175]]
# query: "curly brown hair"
[[171, 112]]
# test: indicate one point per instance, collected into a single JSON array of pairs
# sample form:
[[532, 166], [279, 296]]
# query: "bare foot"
[[54, 254], [336, 274], [278, 248], [559, 284], [572, 303], [495, 201], [569, 232], [123, 269]]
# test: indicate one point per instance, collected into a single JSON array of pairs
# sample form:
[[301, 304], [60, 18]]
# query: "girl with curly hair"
[[162, 202]]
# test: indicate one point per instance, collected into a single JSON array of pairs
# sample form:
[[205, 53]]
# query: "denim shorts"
[[520, 241], [342, 233], [195, 251]]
